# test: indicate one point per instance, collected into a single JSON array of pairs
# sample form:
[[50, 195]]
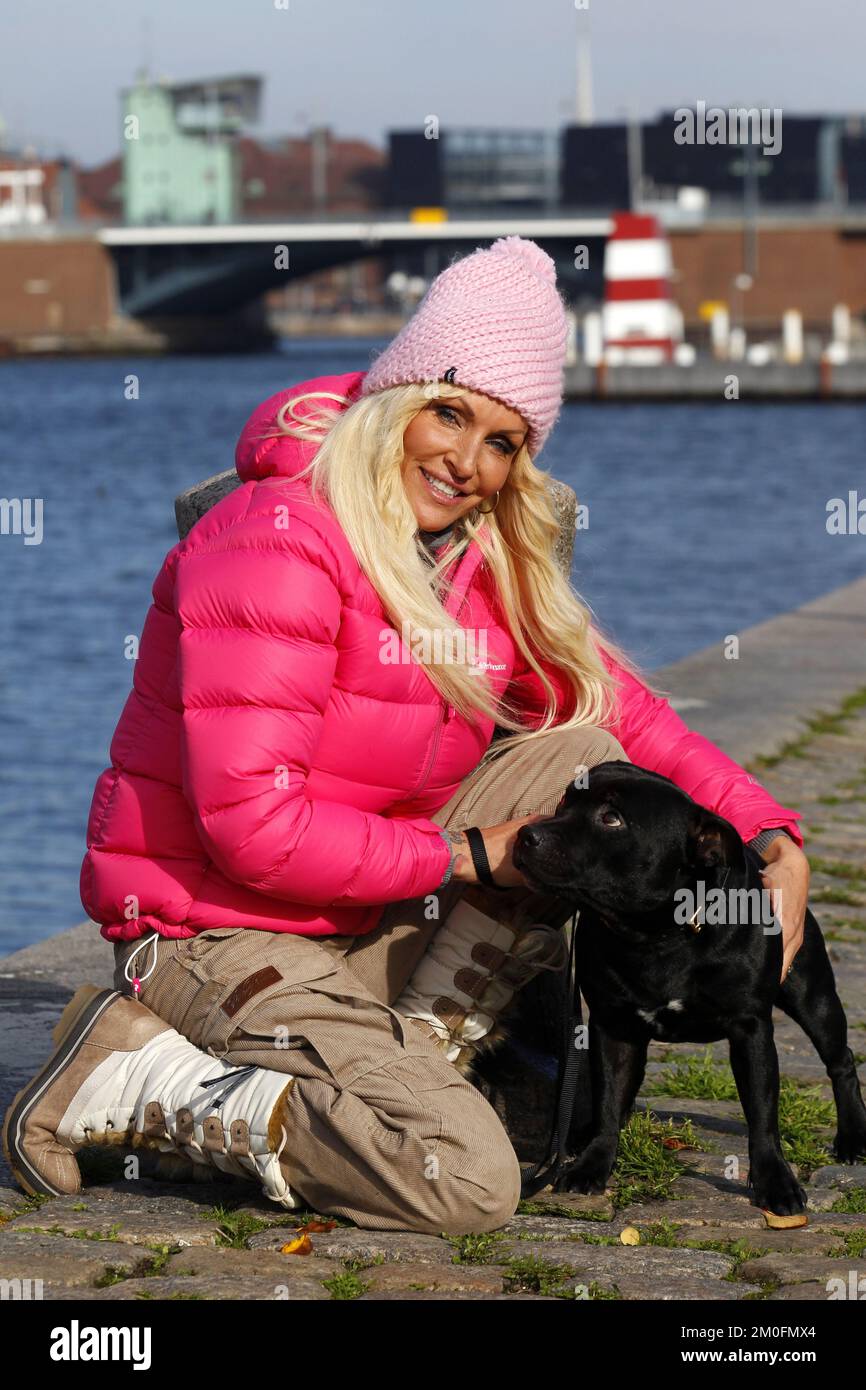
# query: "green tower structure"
[[180, 155]]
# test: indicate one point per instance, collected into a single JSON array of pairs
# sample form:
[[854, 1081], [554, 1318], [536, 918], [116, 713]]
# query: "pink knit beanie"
[[493, 322]]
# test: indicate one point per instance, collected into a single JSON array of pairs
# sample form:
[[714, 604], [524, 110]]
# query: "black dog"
[[620, 849]]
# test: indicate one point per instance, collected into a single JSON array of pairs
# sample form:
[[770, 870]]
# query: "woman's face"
[[467, 443]]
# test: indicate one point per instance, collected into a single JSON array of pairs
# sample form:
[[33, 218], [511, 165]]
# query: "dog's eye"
[[610, 817]]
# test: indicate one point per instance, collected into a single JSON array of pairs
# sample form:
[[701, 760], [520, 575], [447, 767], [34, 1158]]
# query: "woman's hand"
[[499, 844], [787, 870]]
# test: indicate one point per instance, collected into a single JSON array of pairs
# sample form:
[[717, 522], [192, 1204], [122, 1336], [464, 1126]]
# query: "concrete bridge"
[[218, 269]]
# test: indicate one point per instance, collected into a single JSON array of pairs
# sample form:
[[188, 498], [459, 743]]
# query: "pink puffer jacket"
[[269, 769]]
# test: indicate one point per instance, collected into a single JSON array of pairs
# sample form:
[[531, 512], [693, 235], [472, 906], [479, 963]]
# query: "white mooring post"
[[841, 324], [737, 344], [593, 345], [720, 328], [792, 335]]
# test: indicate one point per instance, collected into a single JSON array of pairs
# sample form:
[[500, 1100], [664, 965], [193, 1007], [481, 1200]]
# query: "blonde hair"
[[357, 468]]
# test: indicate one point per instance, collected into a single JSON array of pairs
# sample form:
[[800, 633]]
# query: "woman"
[[281, 848]]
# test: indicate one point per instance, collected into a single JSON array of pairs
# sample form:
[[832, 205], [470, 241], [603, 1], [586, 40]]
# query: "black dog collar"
[[692, 924]]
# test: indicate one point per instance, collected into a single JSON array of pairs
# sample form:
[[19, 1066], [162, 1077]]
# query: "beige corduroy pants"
[[385, 1131]]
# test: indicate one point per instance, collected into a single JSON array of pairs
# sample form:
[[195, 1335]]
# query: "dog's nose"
[[531, 836]]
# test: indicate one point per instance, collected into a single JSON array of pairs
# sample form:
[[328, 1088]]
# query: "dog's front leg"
[[617, 1068], [755, 1064]]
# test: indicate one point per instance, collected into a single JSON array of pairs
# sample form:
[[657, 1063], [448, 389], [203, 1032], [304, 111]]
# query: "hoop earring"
[[489, 509]]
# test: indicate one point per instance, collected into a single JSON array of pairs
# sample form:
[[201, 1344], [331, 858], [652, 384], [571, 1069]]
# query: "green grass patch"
[[768, 1287], [699, 1077], [346, 1285], [116, 1275], [234, 1233], [853, 1245], [662, 1233], [836, 895], [27, 1204], [113, 1274], [472, 1249], [824, 722], [838, 868], [645, 1171], [852, 1201], [236, 1227], [110, 1234], [161, 1255], [355, 1263], [598, 1294], [739, 1250], [528, 1274], [802, 1108]]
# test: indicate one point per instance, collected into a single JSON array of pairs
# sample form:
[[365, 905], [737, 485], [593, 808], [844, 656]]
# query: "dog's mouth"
[[544, 883], [568, 887], [537, 876]]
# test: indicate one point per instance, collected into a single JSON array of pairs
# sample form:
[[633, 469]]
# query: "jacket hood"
[[263, 454]]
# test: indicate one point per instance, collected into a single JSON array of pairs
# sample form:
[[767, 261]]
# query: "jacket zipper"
[[444, 715]]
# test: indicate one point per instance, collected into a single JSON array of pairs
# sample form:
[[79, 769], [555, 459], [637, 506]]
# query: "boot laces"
[[234, 1079], [530, 962]]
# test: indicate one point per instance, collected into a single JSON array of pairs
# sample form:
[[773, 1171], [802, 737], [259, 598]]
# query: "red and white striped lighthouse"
[[640, 323]]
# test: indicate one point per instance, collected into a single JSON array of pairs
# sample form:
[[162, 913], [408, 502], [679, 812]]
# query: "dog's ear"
[[713, 842]]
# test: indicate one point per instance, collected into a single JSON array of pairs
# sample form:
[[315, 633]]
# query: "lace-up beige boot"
[[120, 1075], [471, 971]]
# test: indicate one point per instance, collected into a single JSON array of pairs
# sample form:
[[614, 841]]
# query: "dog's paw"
[[849, 1145], [778, 1191], [589, 1177]]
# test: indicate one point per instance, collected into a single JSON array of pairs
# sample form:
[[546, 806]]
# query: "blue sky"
[[363, 66]]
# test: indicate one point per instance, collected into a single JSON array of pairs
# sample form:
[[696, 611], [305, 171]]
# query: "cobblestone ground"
[[697, 1238]]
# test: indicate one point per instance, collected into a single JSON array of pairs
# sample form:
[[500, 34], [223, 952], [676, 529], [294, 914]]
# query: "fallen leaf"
[[784, 1223], [630, 1235], [302, 1246], [316, 1226], [675, 1144]]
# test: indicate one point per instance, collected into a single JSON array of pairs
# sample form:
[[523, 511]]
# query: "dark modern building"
[[474, 170], [819, 160]]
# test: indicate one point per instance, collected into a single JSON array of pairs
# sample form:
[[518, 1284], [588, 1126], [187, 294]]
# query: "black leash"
[[544, 1173]]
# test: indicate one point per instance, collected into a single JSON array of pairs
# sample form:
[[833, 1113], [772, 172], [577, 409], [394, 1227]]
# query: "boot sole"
[[71, 1031]]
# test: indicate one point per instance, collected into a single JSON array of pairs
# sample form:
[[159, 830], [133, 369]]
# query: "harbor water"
[[702, 520]]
